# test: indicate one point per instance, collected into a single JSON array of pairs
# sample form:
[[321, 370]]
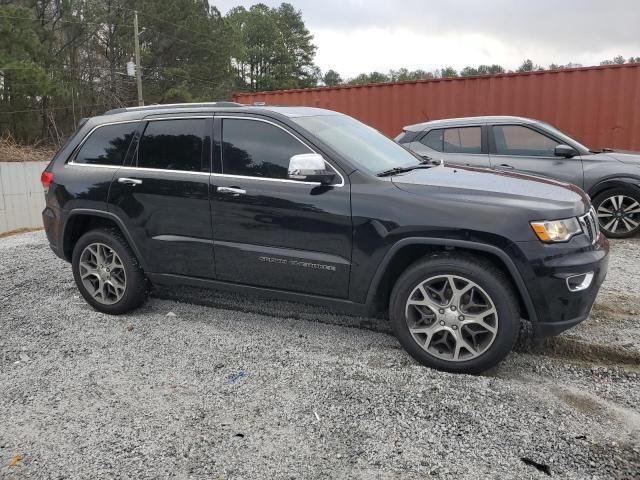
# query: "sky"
[[356, 36]]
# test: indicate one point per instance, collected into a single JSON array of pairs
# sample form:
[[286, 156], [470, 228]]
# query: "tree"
[[273, 48], [332, 78], [469, 72], [528, 66], [448, 72]]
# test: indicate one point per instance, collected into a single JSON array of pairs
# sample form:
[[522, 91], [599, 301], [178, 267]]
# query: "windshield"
[[363, 146], [565, 138]]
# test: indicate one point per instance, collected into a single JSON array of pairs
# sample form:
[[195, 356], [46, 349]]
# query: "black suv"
[[310, 205]]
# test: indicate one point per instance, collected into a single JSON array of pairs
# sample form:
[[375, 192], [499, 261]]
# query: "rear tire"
[[618, 212], [107, 273], [469, 319]]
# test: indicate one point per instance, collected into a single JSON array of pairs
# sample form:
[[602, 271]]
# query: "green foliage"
[[273, 48], [332, 78], [61, 60]]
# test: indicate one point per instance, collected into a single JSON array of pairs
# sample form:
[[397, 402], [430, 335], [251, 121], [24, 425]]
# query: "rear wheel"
[[618, 212], [455, 313], [107, 272]]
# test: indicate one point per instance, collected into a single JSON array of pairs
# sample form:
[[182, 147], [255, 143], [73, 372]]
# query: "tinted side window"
[[172, 145], [519, 140], [257, 149], [433, 140], [107, 145], [463, 140]]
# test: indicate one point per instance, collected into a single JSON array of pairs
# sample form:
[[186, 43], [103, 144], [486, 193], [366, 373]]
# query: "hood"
[[541, 198], [622, 156]]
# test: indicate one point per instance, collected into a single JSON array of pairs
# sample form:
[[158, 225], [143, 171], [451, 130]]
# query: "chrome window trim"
[[286, 180], [140, 169], [160, 170], [267, 179]]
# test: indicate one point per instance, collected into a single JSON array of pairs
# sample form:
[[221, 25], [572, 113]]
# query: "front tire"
[[456, 313], [107, 272], [618, 212]]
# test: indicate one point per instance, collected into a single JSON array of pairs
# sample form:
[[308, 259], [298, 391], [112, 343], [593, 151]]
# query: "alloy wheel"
[[102, 273], [452, 318], [619, 214]]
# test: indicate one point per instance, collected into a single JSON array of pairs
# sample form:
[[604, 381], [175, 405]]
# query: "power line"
[[61, 108]]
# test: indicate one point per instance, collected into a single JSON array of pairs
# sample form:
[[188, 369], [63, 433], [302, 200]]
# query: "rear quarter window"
[[107, 145], [407, 136]]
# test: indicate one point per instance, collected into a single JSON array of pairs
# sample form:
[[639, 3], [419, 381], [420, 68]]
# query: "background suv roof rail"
[[174, 105]]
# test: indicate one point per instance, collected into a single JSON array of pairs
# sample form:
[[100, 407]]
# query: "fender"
[[466, 244], [103, 214], [614, 182]]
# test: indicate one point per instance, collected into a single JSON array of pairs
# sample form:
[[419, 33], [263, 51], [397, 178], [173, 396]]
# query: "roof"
[[447, 122], [287, 111]]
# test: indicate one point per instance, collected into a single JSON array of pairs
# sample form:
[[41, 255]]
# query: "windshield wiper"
[[396, 170]]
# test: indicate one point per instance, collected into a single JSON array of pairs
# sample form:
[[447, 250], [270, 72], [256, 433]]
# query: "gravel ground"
[[248, 389]]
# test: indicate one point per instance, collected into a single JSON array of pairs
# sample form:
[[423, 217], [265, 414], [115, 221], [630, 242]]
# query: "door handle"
[[130, 181], [506, 165], [235, 191]]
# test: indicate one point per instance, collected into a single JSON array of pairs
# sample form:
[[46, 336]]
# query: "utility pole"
[[138, 67]]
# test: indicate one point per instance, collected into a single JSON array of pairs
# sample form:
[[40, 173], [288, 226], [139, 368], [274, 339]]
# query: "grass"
[[12, 151]]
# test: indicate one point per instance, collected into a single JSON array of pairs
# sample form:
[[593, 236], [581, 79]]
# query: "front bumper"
[[545, 269]]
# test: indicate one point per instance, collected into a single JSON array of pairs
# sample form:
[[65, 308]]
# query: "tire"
[[618, 212], [119, 286], [491, 298]]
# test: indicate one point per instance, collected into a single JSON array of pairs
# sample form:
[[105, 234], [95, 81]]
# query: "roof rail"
[[160, 106]]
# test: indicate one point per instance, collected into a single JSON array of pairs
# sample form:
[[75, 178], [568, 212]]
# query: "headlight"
[[557, 230]]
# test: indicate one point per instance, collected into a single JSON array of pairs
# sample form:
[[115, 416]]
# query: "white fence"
[[21, 195]]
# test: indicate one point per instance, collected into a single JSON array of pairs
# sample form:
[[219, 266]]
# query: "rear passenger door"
[[271, 231], [457, 146], [163, 195], [527, 150]]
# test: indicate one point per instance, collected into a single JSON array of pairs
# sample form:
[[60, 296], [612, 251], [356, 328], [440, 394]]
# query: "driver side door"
[[269, 230], [524, 149]]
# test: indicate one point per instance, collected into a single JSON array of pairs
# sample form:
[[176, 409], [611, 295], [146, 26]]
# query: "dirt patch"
[[566, 346], [581, 402], [18, 231]]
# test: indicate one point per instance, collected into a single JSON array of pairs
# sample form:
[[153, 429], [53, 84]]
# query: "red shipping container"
[[599, 106]]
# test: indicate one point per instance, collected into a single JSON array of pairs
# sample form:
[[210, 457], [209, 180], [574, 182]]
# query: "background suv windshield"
[[363, 146]]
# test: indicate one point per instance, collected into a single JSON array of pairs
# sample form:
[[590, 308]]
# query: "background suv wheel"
[[455, 313], [618, 212], [107, 272]]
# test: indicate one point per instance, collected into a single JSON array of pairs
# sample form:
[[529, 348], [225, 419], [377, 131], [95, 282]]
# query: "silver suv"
[[611, 178]]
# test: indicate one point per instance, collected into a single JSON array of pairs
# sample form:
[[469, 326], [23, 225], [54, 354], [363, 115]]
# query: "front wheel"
[[618, 212], [455, 313]]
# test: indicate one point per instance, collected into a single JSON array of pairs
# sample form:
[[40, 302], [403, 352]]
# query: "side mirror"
[[310, 167], [565, 151]]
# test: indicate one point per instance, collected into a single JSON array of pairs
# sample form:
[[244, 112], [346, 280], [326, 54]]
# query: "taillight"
[[46, 178]]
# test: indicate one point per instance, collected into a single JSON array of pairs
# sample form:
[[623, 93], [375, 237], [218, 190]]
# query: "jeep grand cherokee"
[[310, 205]]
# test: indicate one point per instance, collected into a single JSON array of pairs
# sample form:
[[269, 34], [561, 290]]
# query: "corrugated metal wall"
[[21, 195], [600, 106]]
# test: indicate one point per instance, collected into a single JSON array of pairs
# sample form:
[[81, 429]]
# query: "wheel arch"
[[81, 220], [614, 182], [408, 250]]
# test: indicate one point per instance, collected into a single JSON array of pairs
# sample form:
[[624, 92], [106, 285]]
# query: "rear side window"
[[433, 140], [257, 149], [519, 140], [172, 145], [107, 145], [463, 140]]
